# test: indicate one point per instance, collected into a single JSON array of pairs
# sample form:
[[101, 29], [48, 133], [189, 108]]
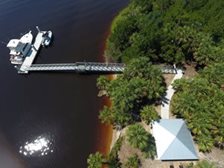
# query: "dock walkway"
[[79, 67]]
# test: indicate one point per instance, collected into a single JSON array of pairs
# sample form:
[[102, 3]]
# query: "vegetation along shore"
[[149, 34]]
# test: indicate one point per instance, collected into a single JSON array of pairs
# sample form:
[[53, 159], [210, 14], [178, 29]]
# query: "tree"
[[214, 74], [113, 158], [106, 115], [149, 114], [95, 160], [169, 31], [140, 84], [200, 102], [133, 162], [102, 84], [138, 137], [124, 27], [205, 164], [144, 5]]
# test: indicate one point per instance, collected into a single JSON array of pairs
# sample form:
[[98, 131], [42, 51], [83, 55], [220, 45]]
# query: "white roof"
[[13, 43], [173, 140]]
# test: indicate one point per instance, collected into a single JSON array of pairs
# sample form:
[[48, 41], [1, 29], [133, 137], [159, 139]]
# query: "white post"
[[38, 29]]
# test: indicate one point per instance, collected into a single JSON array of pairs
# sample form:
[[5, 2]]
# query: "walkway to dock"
[[83, 67], [79, 67], [165, 107]]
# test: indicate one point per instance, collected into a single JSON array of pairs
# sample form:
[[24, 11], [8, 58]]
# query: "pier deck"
[[32, 54], [86, 67], [79, 67]]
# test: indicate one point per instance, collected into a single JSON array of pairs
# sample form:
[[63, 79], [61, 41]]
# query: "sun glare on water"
[[41, 146]]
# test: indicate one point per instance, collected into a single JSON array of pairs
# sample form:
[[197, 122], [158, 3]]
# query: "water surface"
[[55, 110]]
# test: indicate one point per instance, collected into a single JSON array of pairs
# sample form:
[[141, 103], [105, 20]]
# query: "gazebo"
[[173, 140]]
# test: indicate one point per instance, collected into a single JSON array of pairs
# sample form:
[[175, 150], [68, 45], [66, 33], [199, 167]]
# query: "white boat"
[[19, 48], [47, 38]]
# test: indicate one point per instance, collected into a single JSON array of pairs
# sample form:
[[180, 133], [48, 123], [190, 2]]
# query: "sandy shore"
[[115, 135]]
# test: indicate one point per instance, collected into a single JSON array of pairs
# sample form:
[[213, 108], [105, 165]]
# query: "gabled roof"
[[173, 140]]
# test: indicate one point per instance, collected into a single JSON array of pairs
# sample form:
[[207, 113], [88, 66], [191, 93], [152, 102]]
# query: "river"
[[50, 120]]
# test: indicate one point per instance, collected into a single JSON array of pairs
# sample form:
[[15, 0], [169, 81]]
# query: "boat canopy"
[[13, 43]]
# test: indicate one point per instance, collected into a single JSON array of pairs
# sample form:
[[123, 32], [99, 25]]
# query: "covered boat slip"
[[173, 140], [33, 52]]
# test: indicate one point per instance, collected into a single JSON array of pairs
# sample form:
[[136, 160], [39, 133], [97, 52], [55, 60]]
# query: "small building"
[[173, 140]]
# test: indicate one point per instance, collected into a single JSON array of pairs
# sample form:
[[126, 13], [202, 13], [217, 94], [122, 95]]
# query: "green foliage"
[[189, 44], [201, 104], [214, 74], [169, 31], [133, 162], [95, 160], [113, 159], [102, 83], [205, 164], [139, 138], [123, 28], [149, 114], [106, 116], [141, 83]]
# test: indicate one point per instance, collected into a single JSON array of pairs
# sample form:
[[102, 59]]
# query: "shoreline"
[[107, 132], [113, 133]]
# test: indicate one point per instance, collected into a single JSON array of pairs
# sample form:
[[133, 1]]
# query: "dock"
[[32, 53], [85, 67], [80, 67]]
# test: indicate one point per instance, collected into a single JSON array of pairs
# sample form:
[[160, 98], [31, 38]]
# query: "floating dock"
[[27, 63]]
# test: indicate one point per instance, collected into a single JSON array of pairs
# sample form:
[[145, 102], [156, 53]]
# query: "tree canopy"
[[139, 138], [149, 114], [151, 32], [214, 74], [140, 84], [95, 160], [203, 164], [132, 162], [169, 31], [201, 103]]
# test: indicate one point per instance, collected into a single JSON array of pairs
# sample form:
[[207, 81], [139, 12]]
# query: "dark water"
[[60, 107]]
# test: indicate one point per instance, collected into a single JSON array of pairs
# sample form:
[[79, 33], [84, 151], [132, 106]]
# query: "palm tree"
[[205, 164], [214, 73], [138, 137], [132, 162], [95, 160], [106, 115], [149, 114], [102, 84], [205, 142]]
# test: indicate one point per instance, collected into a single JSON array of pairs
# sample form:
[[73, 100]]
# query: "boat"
[[47, 38], [19, 48], [24, 50]]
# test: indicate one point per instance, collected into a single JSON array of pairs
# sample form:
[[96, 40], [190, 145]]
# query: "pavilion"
[[173, 140]]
